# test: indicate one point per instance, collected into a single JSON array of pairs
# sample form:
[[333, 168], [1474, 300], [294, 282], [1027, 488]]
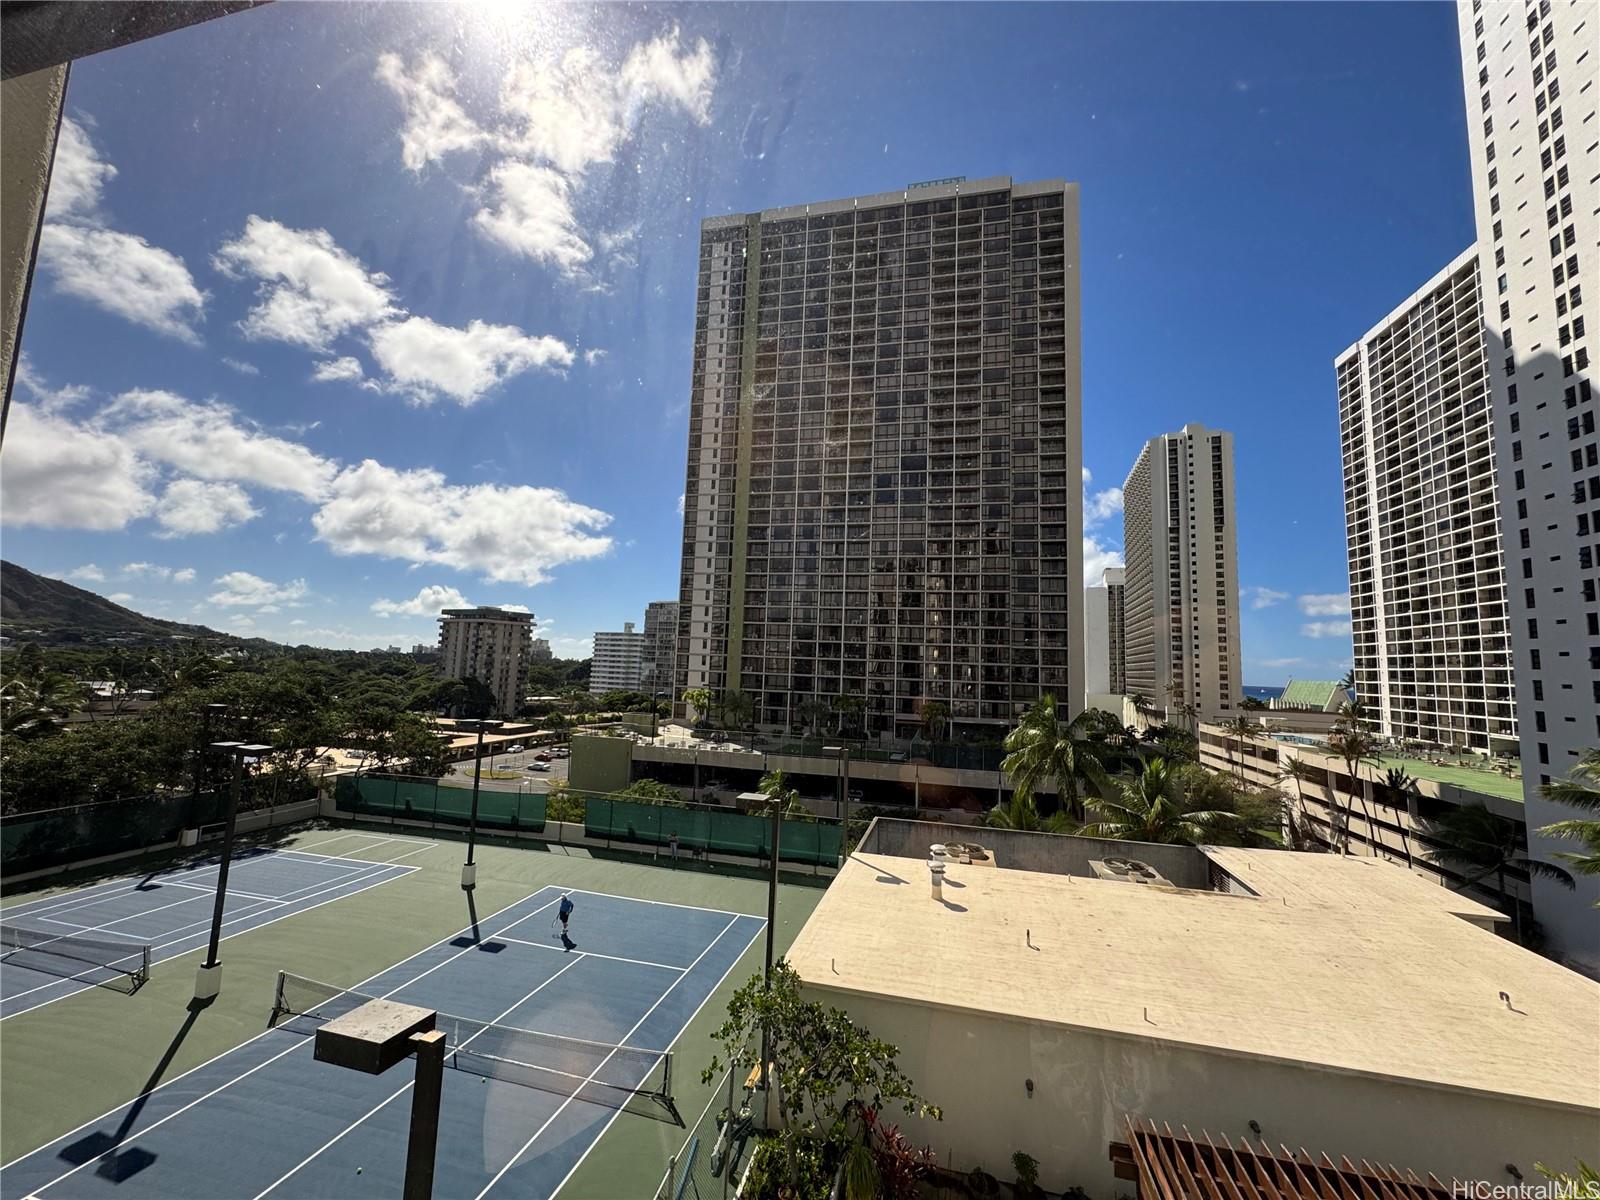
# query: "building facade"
[[1181, 576], [618, 663], [539, 650], [1116, 638], [1422, 519], [1096, 642], [489, 645], [1531, 73], [660, 645], [883, 500]]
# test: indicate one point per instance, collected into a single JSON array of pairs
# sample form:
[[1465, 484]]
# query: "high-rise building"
[[539, 650], [883, 498], [1532, 78], [489, 645], [1116, 637], [660, 645], [1422, 517], [1181, 575], [618, 662]]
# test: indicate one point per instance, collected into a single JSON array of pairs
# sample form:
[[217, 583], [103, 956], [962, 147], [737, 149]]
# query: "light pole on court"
[[469, 869], [843, 754], [208, 980]]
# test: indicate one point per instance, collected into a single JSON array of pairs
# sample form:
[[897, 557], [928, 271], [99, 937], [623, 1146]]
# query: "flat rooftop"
[[1332, 966]]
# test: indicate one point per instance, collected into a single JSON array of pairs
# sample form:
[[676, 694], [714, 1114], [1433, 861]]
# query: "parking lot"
[[526, 780]]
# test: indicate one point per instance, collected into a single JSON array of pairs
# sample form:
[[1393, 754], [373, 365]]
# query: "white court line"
[[409, 1084], [184, 930], [622, 1041], [724, 912], [346, 864], [642, 962], [232, 891], [299, 1045], [761, 923]]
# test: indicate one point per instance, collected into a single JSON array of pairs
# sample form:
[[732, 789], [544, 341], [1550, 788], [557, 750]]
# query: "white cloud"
[[572, 647], [120, 597], [522, 608], [1262, 597], [52, 400], [435, 123], [336, 369], [184, 576], [89, 573], [426, 359], [125, 275], [426, 603], [1325, 629], [510, 534], [1101, 506], [682, 496], [529, 212], [240, 589], [144, 570], [297, 621], [591, 357], [208, 442], [244, 368], [310, 290], [77, 175], [1327, 604], [1097, 558], [190, 506], [61, 474]]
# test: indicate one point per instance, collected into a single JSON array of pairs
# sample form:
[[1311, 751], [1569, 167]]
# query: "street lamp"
[[208, 980], [469, 869], [843, 754]]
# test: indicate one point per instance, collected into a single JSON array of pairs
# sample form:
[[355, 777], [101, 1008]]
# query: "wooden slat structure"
[[1183, 1166]]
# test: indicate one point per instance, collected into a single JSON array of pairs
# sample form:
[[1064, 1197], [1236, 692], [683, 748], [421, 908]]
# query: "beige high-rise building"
[[489, 645], [1181, 574], [660, 646], [1422, 516], [884, 500], [1532, 84]]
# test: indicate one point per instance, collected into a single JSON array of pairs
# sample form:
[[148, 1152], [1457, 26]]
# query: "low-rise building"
[[1058, 986]]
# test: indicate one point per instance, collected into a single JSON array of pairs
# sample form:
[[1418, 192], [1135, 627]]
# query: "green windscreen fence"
[[60, 836], [708, 830], [428, 800]]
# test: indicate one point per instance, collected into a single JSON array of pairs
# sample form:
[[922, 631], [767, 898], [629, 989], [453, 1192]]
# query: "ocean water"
[[1264, 694]]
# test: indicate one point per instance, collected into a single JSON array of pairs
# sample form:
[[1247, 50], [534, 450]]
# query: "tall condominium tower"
[[1532, 79], [1181, 588], [489, 645], [660, 645], [884, 490], [1427, 577], [1116, 634], [618, 662]]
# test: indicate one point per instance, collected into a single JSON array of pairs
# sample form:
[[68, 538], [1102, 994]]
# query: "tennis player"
[[564, 910]]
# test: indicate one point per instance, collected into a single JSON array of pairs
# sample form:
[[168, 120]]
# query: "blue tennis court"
[[171, 911], [267, 1119]]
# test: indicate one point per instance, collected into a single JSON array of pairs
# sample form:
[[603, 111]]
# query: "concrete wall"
[[976, 1066], [600, 764], [1047, 853]]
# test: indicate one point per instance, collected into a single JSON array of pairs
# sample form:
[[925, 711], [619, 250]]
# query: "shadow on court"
[[117, 1167]]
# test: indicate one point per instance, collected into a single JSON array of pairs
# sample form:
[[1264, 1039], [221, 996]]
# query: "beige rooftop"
[[1339, 963]]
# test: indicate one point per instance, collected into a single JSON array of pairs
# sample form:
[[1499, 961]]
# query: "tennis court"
[[266, 1119], [61, 944]]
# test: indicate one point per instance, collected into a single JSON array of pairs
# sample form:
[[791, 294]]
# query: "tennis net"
[[597, 1071], [51, 950]]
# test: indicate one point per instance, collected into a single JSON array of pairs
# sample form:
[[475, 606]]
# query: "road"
[[530, 782]]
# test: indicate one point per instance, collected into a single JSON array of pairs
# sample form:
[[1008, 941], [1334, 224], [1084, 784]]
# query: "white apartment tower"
[[660, 646], [489, 645], [1531, 72], [1181, 576], [1103, 668], [618, 663], [883, 500], [1422, 518]]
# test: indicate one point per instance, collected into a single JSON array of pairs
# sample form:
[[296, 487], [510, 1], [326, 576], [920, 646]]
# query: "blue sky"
[[347, 311]]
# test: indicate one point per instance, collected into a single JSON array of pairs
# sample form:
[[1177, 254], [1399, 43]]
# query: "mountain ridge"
[[37, 608]]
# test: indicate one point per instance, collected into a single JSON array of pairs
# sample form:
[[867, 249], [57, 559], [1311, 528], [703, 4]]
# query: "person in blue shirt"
[[564, 910]]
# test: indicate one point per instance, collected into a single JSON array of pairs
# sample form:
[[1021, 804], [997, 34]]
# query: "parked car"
[[562, 752], [543, 756], [517, 748], [538, 766]]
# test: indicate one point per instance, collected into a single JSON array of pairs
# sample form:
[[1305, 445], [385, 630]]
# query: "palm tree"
[[1190, 714], [738, 709], [1045, 747], [1174, 692], [1153, 808], [1245, 730], [1581, 790], [1479, 844], [30, 707], [1355, 746], [812, 712], [1020, 812], [1402, 793], [1141, 702], [847, 706], [936, 720], [1300, 773]]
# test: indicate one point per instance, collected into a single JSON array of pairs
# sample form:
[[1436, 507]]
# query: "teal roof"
[[1310, 693]]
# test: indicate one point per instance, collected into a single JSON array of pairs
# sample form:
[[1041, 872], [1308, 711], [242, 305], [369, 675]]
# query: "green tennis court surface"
[[72, 1073]]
